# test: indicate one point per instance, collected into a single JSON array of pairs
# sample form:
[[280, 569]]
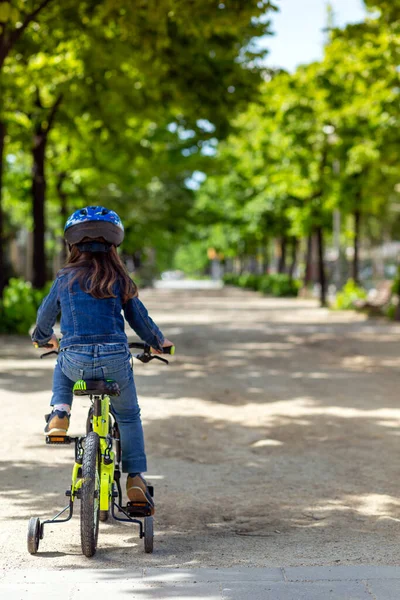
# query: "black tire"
[[116, 435], [103, 516], [33, 538], [90, 495], [89, 421], [148, 534]]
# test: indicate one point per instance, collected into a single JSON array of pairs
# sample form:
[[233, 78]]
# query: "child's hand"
[[53, 343], [167, 343]]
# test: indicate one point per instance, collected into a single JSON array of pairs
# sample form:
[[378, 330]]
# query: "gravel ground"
[[273, 440]]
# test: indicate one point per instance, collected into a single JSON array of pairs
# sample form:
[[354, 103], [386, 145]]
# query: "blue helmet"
[[94, 222]]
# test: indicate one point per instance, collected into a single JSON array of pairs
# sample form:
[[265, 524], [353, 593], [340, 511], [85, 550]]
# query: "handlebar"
[[36, 345], [145, 357], [146, 347]]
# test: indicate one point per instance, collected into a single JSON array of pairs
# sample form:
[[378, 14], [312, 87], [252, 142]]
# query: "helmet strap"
[[93, 247]]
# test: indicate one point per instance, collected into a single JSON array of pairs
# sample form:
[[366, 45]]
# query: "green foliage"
[[230, 279], [250, 281], [321, 139], [396, 284], [146, 90], [281, 285], [191, 259], [153, 93], [19, 306], [276, 284], [393, 309], [348, 296]]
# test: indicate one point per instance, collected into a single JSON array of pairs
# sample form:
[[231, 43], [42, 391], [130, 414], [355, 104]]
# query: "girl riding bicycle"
[[91, 292]]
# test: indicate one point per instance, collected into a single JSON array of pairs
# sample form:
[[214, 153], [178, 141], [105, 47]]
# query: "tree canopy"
[[120, 103], [167, 111], [316, 141]]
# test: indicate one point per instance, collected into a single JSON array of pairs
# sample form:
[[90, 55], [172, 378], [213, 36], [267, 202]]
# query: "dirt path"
[[273, 439]]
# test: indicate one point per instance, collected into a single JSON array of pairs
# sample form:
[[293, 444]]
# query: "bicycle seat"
[[96, 387]]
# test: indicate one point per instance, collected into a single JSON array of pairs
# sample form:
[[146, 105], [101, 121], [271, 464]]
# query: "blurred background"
[[250, 142]]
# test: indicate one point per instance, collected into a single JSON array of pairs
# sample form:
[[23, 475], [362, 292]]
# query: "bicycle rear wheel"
[[117, 441], [89, 421], [90, 495]]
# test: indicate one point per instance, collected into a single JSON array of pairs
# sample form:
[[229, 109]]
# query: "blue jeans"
[[106, 361]]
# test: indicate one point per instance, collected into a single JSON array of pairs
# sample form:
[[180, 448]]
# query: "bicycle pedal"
[[58, 439], [142, 509]]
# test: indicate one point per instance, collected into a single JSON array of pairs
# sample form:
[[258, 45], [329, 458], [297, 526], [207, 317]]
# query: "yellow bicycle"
[[96, 472]]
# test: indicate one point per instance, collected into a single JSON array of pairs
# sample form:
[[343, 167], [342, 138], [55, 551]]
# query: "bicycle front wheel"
[[90, 495]]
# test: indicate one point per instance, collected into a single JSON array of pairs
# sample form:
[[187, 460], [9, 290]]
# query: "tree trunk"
[[253, 266], [265, 257], [308, 260], [241, 264], [42, 131], [321, 266], [137, 259], [397, 313], [8, 38], [293, 262], [38, 196], [2, 240], [356, 259], [63, 210], [3, 53], [282, 256]]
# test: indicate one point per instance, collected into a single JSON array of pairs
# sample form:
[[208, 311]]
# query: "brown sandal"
[[137, 491]]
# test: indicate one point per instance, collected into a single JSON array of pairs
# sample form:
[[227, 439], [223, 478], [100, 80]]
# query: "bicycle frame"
[[101, 426]]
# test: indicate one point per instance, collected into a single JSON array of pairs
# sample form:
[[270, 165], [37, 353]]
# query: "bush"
[[230, 279], [19, 306], [265, 284], [249, 281], [277, 284], [393, 309], [349, 294], [282, 285], [396, 284]]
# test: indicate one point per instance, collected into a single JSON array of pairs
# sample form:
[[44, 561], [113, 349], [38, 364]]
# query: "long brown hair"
[[98, 272]]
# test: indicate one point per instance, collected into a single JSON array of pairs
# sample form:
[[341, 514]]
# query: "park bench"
[[377, 300]]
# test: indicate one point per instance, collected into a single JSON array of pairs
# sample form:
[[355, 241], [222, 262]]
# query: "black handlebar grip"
[[169, 350], [142, 346]]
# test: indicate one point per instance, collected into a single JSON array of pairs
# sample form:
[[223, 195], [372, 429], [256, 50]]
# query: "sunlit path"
[[272, 437]]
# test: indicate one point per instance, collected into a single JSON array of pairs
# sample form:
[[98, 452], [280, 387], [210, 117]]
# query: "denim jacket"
[[88, 320]]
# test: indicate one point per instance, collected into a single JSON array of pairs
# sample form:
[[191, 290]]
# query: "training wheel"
[[148, 535], [33, 538]]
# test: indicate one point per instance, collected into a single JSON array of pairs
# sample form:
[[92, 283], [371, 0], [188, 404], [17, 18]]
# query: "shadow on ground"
[[274, 430]]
